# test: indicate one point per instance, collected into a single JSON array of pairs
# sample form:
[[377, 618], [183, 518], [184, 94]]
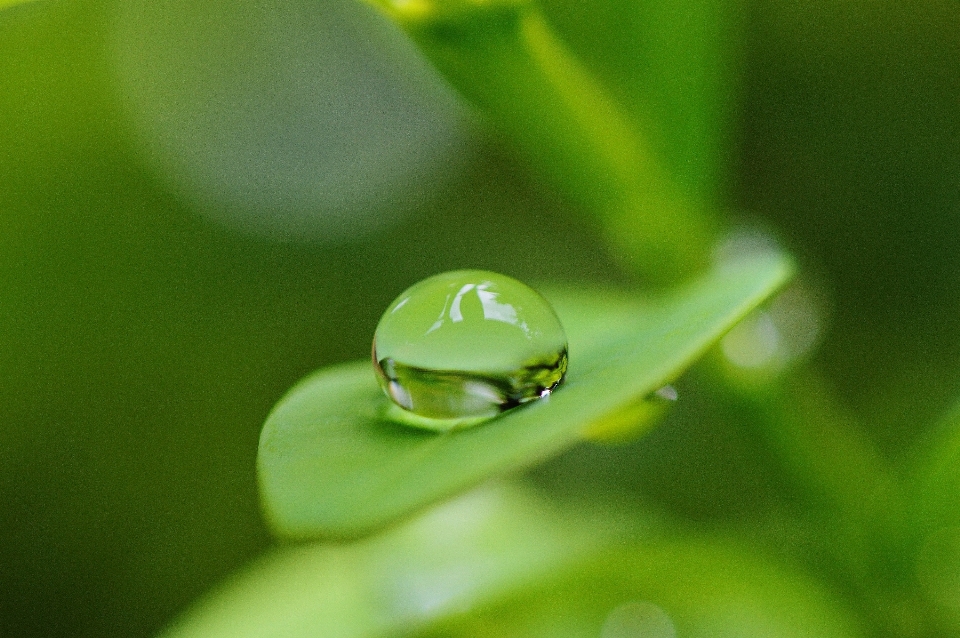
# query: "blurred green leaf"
[[506, 60], [9, 3], [934, 518], [674, 65], [822, 448], [936, 477], [475, 549], [500, 562], [331, 463], [704, 587]]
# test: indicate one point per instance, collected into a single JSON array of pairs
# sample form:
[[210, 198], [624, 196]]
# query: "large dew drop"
[[468, 344]]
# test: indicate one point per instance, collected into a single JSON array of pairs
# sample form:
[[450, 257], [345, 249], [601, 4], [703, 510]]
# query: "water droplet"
[[468, 344], [638, 620], [667, 393]]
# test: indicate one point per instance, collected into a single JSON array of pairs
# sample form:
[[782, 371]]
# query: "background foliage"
[[199, 204]]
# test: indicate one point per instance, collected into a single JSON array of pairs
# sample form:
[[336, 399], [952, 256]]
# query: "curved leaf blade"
[[331, 464], [707, 587], [471, 551], [935, 475], [500, 561]]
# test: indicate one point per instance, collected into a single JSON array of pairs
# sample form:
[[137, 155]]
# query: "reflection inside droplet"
[[467, 344], [638, 620]]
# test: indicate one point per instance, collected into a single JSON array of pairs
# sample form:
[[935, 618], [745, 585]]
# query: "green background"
[[143, 339]]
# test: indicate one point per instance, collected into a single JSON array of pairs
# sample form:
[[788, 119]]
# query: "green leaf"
[[936, 477], [331, 464], [504, 58], [674, 66], [9, 3], [700, 586], [501, 562], [468, 552], [837, 469]]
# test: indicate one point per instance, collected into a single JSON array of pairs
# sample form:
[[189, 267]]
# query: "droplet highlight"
[[466, 345]]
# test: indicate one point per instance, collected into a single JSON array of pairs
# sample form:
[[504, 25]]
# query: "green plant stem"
[[852, 492], [826, 452], [505, 60], [934, 472]]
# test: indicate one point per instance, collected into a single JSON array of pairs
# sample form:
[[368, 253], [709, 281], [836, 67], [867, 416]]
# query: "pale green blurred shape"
[[709, 587], [638, 620], [466, 552], [291, 120], [501, 562]]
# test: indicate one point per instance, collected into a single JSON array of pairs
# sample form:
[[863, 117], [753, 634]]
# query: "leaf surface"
[[467, 552], [501, 562], [331, 463]]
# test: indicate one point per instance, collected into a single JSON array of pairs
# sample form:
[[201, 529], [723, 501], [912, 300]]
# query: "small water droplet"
[[638, 620], [667, 393], [468, 344]]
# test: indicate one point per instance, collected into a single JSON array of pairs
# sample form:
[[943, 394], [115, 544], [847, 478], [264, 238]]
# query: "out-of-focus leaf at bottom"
[[707, 588], [471, 551], [500, 562]]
